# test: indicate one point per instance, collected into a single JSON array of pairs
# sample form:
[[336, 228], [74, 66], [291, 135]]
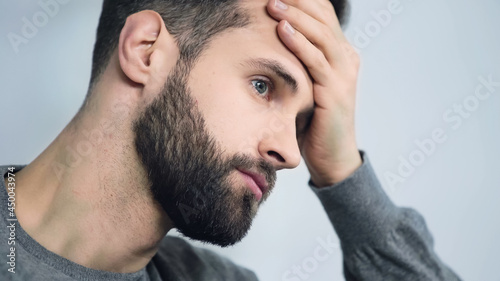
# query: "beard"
[[187, 170]]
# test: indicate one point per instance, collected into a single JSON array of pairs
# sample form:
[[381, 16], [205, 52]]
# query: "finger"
[[321, 10], [315, 31], [305, 51]]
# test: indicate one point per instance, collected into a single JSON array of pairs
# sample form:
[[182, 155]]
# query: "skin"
[[99, 205]]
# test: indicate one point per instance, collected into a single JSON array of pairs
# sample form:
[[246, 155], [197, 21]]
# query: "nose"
[[278, 144]]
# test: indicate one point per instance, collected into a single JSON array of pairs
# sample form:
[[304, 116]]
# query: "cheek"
[[230, 124], [232, 115], [233, 121]]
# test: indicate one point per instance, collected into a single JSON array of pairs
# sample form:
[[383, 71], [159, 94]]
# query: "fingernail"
[[289, 28], [280, 5]]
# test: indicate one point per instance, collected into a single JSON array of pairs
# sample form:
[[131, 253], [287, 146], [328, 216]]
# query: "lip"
[[259, 180]]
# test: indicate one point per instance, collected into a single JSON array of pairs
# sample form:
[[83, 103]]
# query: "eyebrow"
[[276, 68]]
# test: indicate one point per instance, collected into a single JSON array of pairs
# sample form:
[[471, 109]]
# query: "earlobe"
[[142, 39]]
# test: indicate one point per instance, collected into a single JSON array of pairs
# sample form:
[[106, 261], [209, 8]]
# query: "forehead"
[[262, 31]]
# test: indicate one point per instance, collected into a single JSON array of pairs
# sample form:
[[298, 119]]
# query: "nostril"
[[276, 155]]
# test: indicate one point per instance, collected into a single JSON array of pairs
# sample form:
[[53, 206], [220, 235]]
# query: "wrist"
[[337, 172]]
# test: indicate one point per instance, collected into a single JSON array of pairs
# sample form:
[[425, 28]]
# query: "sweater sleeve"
[[380, 241]]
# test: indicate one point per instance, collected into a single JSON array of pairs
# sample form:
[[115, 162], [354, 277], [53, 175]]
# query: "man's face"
[[212, 131]]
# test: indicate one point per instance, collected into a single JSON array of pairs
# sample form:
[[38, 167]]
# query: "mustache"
[[261, 166]]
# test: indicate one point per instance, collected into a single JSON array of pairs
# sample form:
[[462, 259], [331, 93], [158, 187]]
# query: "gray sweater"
[[379, 241]]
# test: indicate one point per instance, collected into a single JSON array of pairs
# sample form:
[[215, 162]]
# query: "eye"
[[261, 86]]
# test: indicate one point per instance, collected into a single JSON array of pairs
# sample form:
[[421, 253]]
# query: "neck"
[[89, 190]]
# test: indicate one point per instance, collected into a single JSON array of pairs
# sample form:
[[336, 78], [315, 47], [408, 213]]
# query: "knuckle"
[[298, 49], [354, 65], [350, 51], [352, 57], [320, 61], [326, 15], [323, 38], [326, 34], [355, 58], [301, 47], [328, 7]]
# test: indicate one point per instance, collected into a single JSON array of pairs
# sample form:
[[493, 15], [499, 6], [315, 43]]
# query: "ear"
[[147, 52]]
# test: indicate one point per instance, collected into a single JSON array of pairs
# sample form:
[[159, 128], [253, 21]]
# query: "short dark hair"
[[192, 23]]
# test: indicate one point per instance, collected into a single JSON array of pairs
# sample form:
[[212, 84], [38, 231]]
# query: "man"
[[192, 108]]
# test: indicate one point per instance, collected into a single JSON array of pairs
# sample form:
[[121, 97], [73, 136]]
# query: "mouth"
[[256, 182]]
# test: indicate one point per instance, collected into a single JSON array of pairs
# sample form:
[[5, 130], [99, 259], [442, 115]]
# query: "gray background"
[[414, 69]]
